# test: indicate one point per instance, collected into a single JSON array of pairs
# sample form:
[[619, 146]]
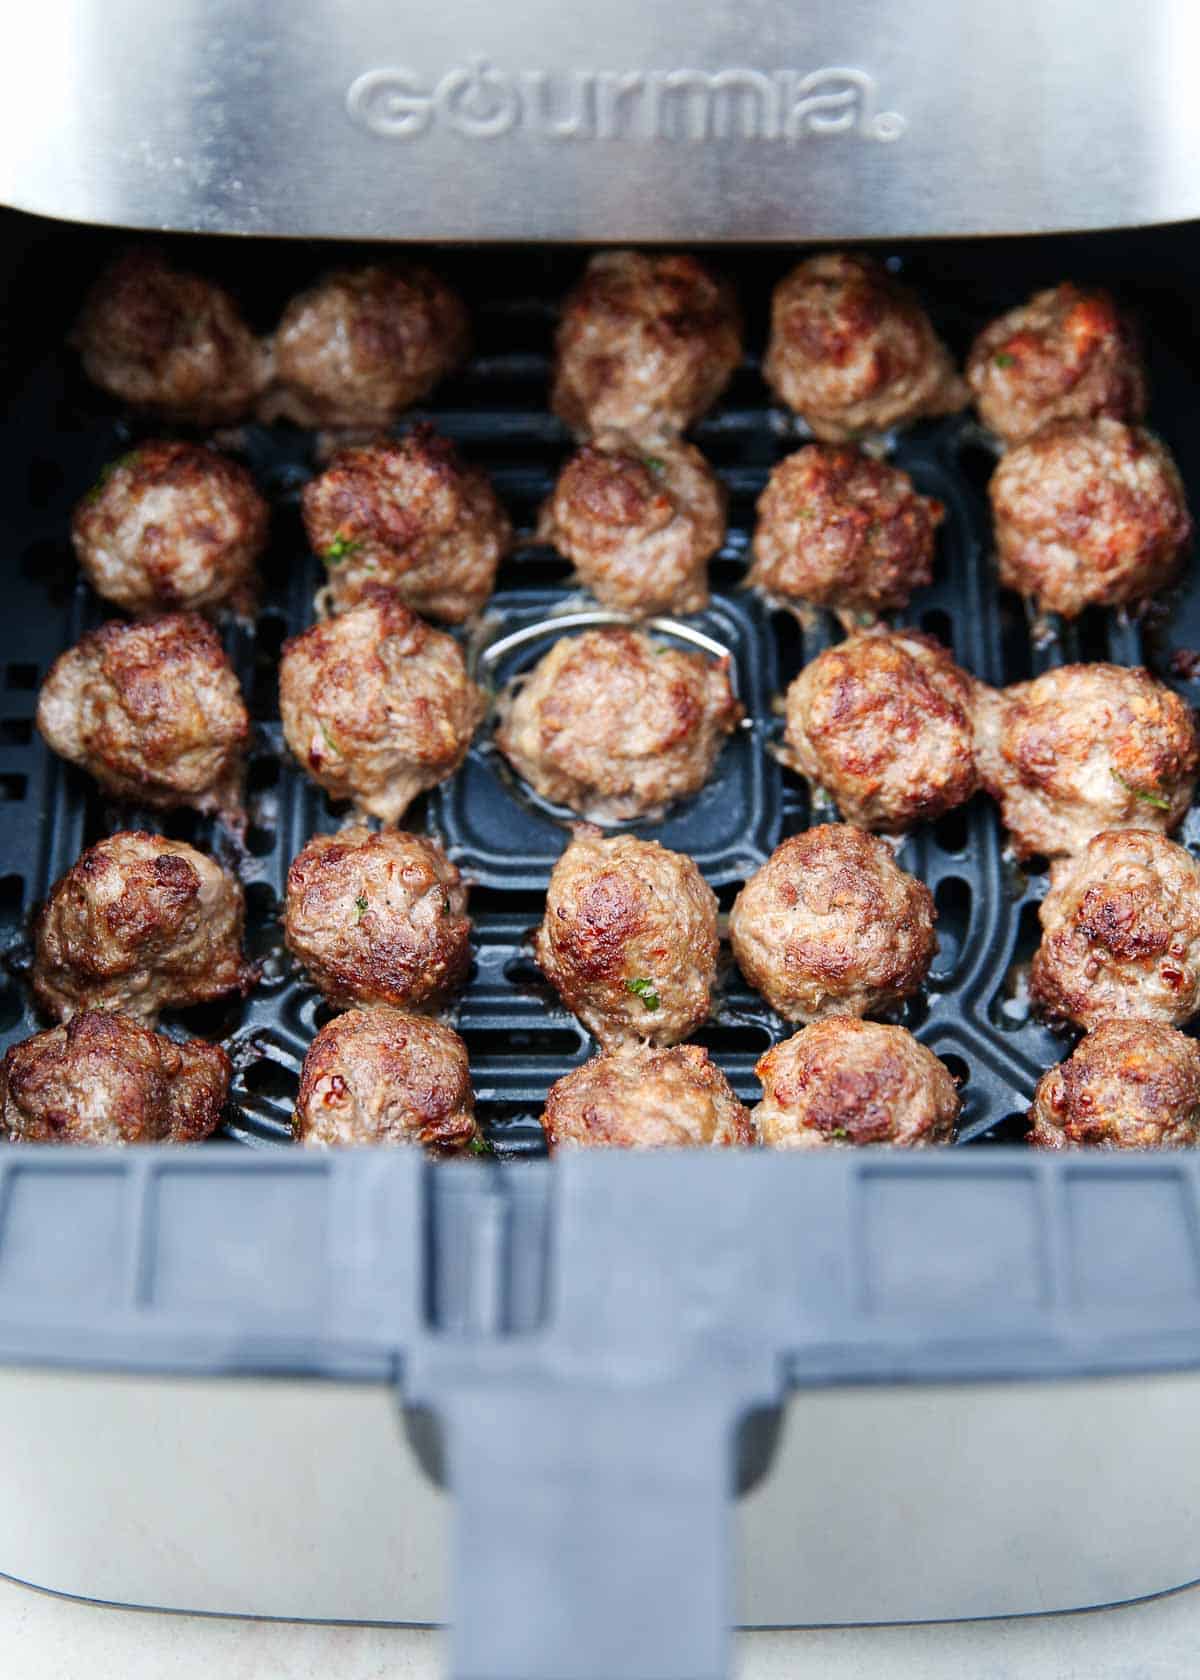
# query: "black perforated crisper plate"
[[57, 433]]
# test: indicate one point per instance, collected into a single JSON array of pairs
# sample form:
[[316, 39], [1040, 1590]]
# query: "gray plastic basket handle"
[[590, 1333]]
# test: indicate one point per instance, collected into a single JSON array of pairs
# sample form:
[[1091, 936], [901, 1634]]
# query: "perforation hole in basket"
[[952, 831], [273, 1080], [1015, 648], [1010, 1007], [20, 676], [13, 787], [51, 565], [952, 900], [958, 1068], [270, 634], [496, 1043], [46, 479], [734, 1037], [935, 621], [1011, 1129]]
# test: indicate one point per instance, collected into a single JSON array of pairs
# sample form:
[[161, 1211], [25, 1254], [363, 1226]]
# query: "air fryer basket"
[[497, 1290]]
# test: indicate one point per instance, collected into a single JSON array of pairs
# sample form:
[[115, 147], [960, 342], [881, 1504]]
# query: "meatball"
[[1089, 513], [844, 1081], [852, 351], [837, 528], [831, 926], [647, 1099], [410, 515], [1082, 749], [104, 1079], [640, 527], [646, 345], [171, 342], [615, 725], [1067, 354], [171, 525], [383, 1076], [1120, 933], [152, 710], [1128, 1085], [365, 343], [377, 706], [629, 939], [378, 918], [140, 924], [882, 722]]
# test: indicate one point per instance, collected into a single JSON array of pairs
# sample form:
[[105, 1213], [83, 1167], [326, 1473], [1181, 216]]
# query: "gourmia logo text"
[[481, 102]]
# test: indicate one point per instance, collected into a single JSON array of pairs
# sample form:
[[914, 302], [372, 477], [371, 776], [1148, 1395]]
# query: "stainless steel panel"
[[303, 1499], [646, 119]]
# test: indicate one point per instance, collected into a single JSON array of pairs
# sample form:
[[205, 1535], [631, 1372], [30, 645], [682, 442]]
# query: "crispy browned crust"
[[165, 340], [376, 705], [105, 1079], [882, 723], [169, 526], [831, 926], [378, 918], [411, 515], [647, 1099], [853, 351], [848, 1082], [646, 344], [837, 528], [140, 924], [639, 524], [1089, 513], [152, 710], [629, 939], [1084, 748], [1128, 1085], [363, 344], [1121, 933], [615, 725], [381, 1076], [1067, 354]]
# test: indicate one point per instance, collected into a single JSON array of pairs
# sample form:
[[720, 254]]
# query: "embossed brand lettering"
[[482, 102]]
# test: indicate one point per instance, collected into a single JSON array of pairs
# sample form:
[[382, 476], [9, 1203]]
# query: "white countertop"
[[48, 1638]]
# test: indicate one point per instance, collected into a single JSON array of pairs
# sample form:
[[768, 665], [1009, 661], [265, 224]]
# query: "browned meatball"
[[1089, 513], [411, 515], [646, 345], [365, 343], [629, 939], [1120, 933], [844, 1081], [1085, 748], [616, 725], [152, 710], [140, 924], [162, 339], [1128, 1085], [104, 1079], [378, 918], [647, 1099], [640, 526], [1067, 354], [376, 706], [171, 525], [882, 722], [852, 351], [831, 926], [382, 1076], [837, 528]]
